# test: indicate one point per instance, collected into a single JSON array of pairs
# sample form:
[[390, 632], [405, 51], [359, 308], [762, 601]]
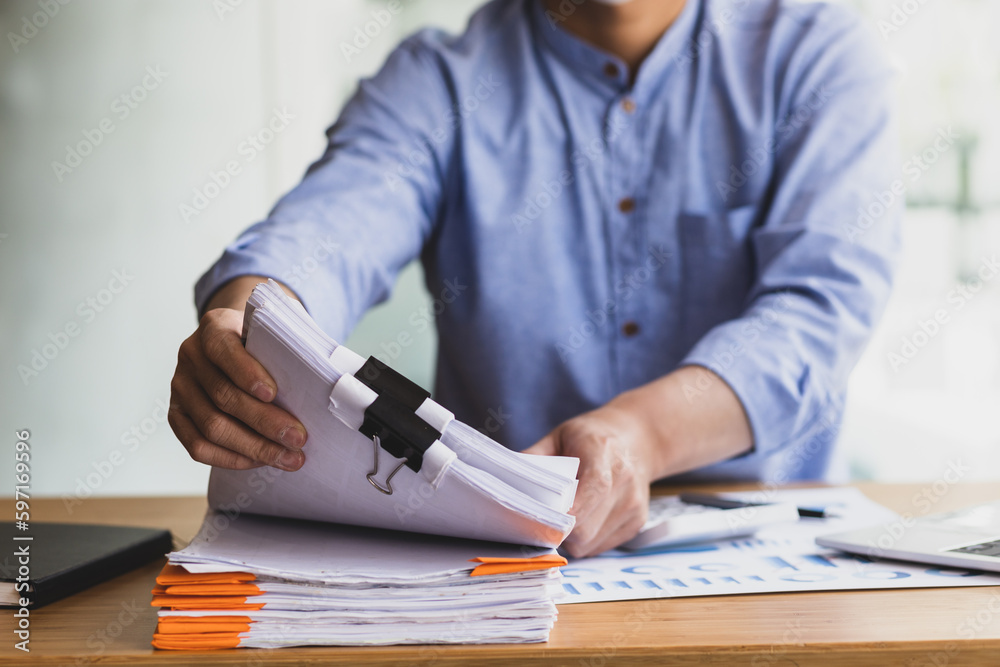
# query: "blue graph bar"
[[820, 560]]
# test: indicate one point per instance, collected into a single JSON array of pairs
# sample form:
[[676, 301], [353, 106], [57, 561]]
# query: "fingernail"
[[290, 460], [292, 436], [262, 391]]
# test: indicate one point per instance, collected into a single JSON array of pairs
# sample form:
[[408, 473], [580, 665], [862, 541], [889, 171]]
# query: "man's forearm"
[[691, 417], [234, 294]]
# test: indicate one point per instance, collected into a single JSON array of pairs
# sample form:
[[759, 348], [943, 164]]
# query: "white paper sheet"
[[335, 554], [783, 558]]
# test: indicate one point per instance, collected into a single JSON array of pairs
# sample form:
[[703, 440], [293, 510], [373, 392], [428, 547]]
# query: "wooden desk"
[[112, 624]]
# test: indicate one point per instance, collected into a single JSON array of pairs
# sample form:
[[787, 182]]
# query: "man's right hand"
[[220, 401]]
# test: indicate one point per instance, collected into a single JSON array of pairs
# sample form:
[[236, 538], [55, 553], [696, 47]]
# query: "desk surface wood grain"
[[112, 624]]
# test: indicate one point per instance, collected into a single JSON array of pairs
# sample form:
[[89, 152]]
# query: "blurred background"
[[115, 114]]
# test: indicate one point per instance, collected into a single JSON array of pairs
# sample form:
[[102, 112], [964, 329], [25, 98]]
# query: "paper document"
[[781, 558], [381, 453], [265, 582]]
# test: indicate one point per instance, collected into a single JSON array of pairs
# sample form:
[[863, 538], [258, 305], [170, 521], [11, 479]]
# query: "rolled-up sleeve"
[[365, 209], [825, 252]]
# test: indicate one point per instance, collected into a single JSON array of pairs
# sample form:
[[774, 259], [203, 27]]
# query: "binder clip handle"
[[387, 489]]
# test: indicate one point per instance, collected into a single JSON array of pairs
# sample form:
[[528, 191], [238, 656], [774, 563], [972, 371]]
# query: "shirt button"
[[630, 328], [628, 105], [610, 69], [626, 205]]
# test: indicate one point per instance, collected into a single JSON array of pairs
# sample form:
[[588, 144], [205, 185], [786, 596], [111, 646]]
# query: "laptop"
[[967, 538]]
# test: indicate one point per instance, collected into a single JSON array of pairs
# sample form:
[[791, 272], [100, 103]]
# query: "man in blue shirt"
[[647, 216]]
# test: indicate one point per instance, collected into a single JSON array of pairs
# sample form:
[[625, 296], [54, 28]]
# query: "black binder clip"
[[383, 380], [391, 421]]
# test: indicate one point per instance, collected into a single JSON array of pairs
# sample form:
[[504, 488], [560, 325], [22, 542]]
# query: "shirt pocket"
[[717, 268]]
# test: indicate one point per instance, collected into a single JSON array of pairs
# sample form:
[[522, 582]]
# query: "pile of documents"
[[381, 453], [274, 565], [262, 582]]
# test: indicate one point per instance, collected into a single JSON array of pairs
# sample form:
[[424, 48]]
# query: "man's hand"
[[220, 398], [616, 468], [685, 420]]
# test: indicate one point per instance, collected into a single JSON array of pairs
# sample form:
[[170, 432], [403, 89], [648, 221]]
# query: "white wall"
[[912, 419], [118, 210]]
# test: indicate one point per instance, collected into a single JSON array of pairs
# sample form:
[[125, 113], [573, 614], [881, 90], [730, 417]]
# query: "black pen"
[[709, 500]]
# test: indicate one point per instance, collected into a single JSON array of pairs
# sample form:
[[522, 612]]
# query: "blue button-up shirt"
[[584, 233]]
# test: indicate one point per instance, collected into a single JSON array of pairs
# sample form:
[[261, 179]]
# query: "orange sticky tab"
[[204, 602], [175, 574], [211, 589], [196, 642], [187, 625], [512, 565], [188, 620], [509, 568], [544, 558]]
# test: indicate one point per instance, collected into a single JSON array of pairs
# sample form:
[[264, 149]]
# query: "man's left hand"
[[616, 468], [685, 420]]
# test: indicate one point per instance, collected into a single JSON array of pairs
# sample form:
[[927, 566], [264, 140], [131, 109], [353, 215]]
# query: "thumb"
[[547, 446]]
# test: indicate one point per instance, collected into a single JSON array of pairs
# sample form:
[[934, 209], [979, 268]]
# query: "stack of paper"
[[261, 582], [382, 453]]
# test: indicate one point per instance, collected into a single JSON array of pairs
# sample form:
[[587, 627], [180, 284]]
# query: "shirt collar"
[[609, 72]]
